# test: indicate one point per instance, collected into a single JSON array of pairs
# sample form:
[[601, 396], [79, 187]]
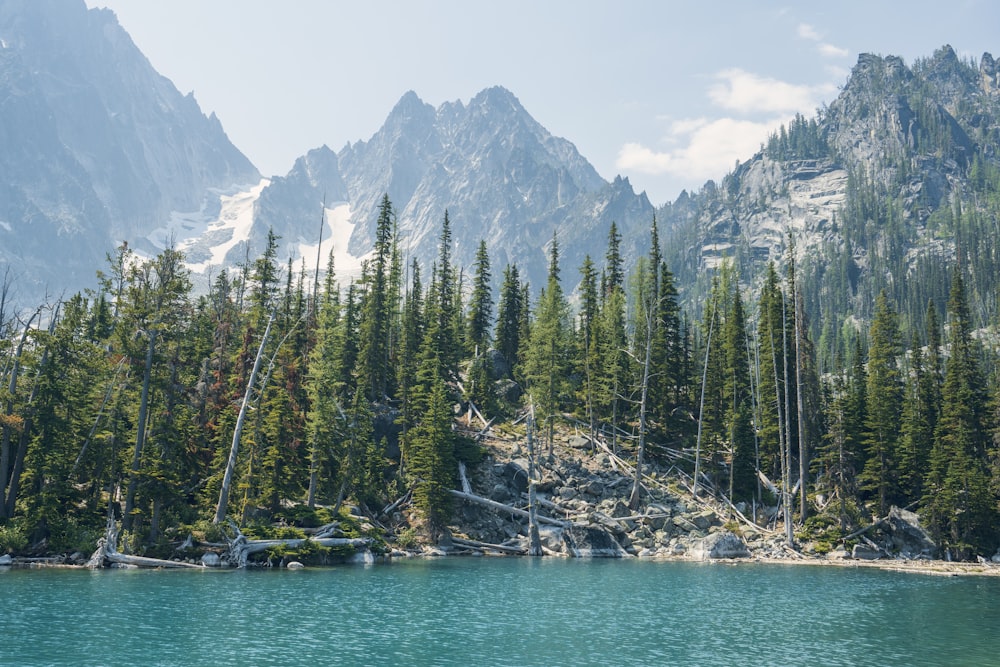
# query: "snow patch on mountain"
[[215, 236], [337, 231]]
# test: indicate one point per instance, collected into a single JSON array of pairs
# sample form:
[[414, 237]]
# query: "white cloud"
[[708, 148], [827, 50], [831, 51], [806, 31], [746, 92]]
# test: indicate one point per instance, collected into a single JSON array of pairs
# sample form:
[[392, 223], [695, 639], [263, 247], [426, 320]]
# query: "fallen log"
[[107, 552], [506, 508], [402, 500], [462, 542], [240, 548], [548, 504]]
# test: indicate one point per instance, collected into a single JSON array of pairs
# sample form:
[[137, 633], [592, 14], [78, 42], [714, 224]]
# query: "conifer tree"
[[739, 405], [548, 358], [587, 337], [376, 311], [509, 312], [958, 506], [480, 317], [884, 405]]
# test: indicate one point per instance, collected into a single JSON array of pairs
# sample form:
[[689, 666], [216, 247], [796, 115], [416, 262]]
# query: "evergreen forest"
[[281, 391]]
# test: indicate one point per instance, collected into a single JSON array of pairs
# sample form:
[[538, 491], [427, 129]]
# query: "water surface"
[[492, 611]]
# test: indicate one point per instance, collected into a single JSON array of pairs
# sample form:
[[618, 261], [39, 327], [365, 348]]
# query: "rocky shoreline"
[[583, 512]]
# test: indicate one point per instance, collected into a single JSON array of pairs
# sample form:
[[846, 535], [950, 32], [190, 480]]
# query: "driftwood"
[[506, 508], [464, 478], [548, 504], [862, 531], [400, 502], [484, 546], [107, 552], [240, 548]]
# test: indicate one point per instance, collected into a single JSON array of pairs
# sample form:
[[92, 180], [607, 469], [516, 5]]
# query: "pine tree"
[[508, 326], [548, 360], [587, 338], [481, 304], [739, 403], [614, 271], [958, 506], [376, 311], [325, 413], [884, 405]]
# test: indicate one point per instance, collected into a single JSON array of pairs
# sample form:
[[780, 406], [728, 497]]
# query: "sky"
[[666, 93]]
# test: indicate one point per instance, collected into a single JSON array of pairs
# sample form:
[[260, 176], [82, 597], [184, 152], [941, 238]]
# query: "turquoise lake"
[[493, 611]]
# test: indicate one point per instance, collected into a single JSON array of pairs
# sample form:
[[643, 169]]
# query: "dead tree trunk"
[[534, 541], [17, 465], [506, 508], [8, 423], [140, 436], [227, 480], [636, 494]]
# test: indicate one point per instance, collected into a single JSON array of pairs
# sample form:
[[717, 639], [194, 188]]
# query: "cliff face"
[[97, 147], [875, 193]]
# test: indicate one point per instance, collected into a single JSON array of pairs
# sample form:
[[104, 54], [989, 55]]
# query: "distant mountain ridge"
[[95, 146], [500, 175], [885, 189]]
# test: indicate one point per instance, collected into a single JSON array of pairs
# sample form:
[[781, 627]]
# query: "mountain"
[[95, 146], [886, 189], [500, 175]]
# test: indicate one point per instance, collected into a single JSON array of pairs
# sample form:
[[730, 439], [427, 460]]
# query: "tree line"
[[278, 390]]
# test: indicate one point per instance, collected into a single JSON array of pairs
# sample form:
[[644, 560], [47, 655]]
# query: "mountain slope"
[[96, 146], [501, 177], [893, 182]]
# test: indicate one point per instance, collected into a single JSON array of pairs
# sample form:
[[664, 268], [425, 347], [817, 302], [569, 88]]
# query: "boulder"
[[723, 544], [516, 475], [566, 492], [908, 537], [6, 560], [591, 542], [210, 559], [865, 552], [551, 538], [294, 565], [579, 442], [704, 520]]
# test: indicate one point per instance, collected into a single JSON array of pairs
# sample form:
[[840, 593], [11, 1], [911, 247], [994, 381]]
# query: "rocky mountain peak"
[[98, 147], [989, 73]]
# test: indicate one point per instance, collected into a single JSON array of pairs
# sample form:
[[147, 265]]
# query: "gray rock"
[[722, 544], [908, 536], [210, 559], [619, 508], [684, 524], [705, 520], [551, 538], [500, 493], [579, 442], [516, 474], [6, 560], [591, 542], [294, 565], [865, 552]]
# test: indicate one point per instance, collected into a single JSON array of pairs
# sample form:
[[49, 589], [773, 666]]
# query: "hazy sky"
[[666, 93]]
